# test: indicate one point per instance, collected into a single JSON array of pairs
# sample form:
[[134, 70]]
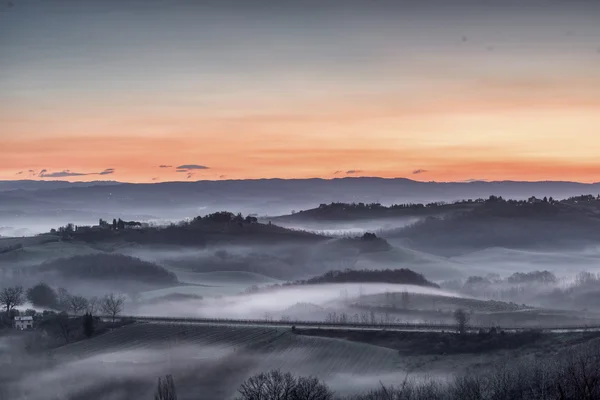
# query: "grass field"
[[272, 347]]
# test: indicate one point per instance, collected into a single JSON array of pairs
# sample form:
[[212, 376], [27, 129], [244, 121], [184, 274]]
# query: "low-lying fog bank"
[[276, 301]]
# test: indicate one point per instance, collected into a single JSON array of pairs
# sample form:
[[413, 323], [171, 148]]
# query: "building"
[[23, 323]]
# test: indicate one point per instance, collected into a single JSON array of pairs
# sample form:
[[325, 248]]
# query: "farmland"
[[149, 345], [279, 347]]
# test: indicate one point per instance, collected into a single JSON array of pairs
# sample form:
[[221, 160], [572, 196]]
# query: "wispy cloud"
[[419, 171], [68, 173], [154, 179], [337, 172], [165, 166], [353, 171], [19, 173], [190, 175], [191, 167]]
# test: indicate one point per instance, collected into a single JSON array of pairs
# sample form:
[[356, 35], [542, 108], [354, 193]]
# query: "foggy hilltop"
[[36, 206]]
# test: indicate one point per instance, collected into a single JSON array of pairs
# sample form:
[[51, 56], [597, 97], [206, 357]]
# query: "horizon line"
[[469, 181]]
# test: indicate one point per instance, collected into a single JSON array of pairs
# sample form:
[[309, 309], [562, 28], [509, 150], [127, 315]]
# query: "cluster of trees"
[[339, 206], [44, 296], [532, 277], [399, 276], [222, 217], [118, 224]]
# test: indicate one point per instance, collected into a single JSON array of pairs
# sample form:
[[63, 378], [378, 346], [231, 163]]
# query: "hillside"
[[214, 358], [337, 212], [213, 229], [109, 267], [511, 224]]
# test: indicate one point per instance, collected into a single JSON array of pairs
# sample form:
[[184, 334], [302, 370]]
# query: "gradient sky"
[[444, 91]]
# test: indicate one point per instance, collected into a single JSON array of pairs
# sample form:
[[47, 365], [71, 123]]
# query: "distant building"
[[533, 200], [23, 323]]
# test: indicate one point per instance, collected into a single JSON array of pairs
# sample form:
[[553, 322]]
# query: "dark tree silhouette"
[[462, 320], [42, 295], [88, 325], [166, 389], [11, 297], [112, 305]]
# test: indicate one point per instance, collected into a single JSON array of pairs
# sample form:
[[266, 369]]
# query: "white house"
[[23, 323]]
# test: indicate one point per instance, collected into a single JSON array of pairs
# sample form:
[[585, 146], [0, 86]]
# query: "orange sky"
[[518, 104]]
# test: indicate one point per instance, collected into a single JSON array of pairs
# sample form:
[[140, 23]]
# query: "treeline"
[[398, 276], [402, 276], [58, 305]]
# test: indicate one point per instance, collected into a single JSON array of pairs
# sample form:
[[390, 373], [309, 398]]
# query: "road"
[[344, 326]]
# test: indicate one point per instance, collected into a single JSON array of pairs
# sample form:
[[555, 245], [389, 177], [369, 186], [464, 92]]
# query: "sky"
[[157, 90]]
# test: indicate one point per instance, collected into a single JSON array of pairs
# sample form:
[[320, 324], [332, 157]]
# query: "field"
[[142, 344]]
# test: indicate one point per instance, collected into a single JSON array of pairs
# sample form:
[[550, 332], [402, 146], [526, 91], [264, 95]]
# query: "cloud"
[[337, 172], [187, 167], [154, 179], [165, 166], [68, 173], [475, 180], [353, 171], [107, 171], [19, 173], [189, 175], [222, 176], [419, 171]]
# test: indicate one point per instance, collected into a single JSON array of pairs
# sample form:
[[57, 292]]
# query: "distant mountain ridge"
[[29, 200]]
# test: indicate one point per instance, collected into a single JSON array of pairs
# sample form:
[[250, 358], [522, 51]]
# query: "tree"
[[276, 385], [462, 320], [11, 297], [166, 389], [114, 224], [77, 304], [63, 299], [112, 305], [311, 388], [88, 325], [62, 322], [42, 295], [30, 313], [272, 385], [92, 305]]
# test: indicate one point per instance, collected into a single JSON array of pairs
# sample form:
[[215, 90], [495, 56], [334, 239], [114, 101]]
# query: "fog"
[[257, 305]]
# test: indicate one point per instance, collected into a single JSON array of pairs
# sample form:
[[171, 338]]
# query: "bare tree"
[[272, 385], [462, 320], [166, 389], [92, 305], [277, 385], [112, 305], [77, 304], [62, 322], [311, 388], [63, 297], [11, 297]]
